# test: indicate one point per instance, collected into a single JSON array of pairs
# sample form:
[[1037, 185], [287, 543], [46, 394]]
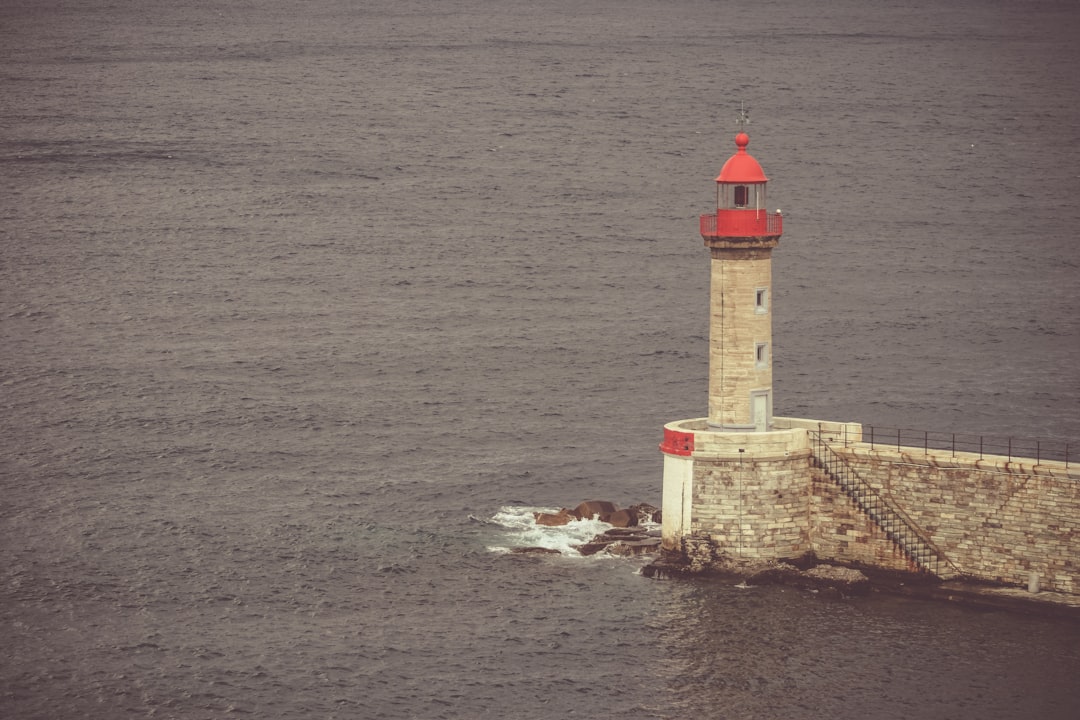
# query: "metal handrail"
[[982, 445]]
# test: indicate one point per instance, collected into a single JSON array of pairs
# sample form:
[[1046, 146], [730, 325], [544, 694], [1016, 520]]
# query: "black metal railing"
[[982, 445], [894, 522]]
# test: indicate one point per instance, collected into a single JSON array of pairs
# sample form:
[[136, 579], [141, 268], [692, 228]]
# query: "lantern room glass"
[[740, 196]]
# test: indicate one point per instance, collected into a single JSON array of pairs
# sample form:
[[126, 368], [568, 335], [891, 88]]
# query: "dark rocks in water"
[[591, 548], [802, 572], [617, 532], [845, 580], [563, 517], [606, 511], [628, 548], [594, 509], [623, 542], [647, 512], [626, 538], [534, 550], [622, 518]]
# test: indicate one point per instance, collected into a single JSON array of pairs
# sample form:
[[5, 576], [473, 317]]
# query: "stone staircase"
[[896, 525]]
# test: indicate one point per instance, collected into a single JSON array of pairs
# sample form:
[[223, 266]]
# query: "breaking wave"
[[520, 531]]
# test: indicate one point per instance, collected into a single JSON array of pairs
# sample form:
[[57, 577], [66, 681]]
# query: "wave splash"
[[521, 530]]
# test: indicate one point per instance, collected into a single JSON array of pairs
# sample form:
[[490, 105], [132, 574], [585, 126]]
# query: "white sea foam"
[[521, 530]]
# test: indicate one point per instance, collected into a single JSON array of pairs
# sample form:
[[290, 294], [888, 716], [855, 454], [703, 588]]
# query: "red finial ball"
[[742, 140]]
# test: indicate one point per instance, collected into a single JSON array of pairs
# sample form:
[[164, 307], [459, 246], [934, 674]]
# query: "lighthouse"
[[741, 236], [734, 479], [744, 490]]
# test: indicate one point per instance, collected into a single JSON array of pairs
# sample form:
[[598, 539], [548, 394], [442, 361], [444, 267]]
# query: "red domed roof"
[[741, 167]]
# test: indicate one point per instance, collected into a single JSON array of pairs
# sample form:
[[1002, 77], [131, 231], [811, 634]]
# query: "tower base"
[[747, 492]]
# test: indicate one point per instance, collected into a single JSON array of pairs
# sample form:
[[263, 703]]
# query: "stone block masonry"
[[737, 329], [994, 518], [765, 496], [747, 492], [755, 506]]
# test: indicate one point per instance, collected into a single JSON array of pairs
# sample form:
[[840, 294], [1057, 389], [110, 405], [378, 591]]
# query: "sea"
[[307, 307]]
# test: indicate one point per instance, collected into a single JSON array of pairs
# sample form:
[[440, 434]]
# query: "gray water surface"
[[294, 298]]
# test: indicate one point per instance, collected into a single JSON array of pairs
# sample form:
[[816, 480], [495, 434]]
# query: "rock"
[[622, 518], [622, 542], [563, 517], [701, 556], [841, 578], [533, 550], [618, 532], [648, 512], [634, 547], [625, 538], [591, 548], [820, 577], [778, 574], [594, 508]]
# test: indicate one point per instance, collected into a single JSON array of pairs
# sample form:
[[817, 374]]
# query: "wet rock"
[[591, 548], [594, 509], [648, 512], [845, 579], [622, 518], [627, 548], [618, 532], [803, 572], [628, 537], [563, 517], [533, 550], [778, 574], [623, 542]]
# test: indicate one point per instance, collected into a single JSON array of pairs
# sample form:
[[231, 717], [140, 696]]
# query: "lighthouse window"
[[742, 196], [761, 301], [761, 358]]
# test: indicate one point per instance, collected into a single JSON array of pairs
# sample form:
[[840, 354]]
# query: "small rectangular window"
[[761, 301], [761, 358], [742, 194]]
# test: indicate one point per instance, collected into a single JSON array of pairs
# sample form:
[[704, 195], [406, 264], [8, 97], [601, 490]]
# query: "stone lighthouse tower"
[[740, 238], [734, 479]]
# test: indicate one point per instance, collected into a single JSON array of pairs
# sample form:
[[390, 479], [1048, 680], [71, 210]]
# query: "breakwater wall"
[[817, 487], [990, 517]]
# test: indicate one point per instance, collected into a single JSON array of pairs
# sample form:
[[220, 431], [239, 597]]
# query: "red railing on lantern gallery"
[[742, 223]]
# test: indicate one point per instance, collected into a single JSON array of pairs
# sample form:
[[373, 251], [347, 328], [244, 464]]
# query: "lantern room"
[[741, 183], [740, 199]]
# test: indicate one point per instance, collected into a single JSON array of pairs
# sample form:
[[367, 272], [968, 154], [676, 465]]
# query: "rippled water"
[[299, 303]]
